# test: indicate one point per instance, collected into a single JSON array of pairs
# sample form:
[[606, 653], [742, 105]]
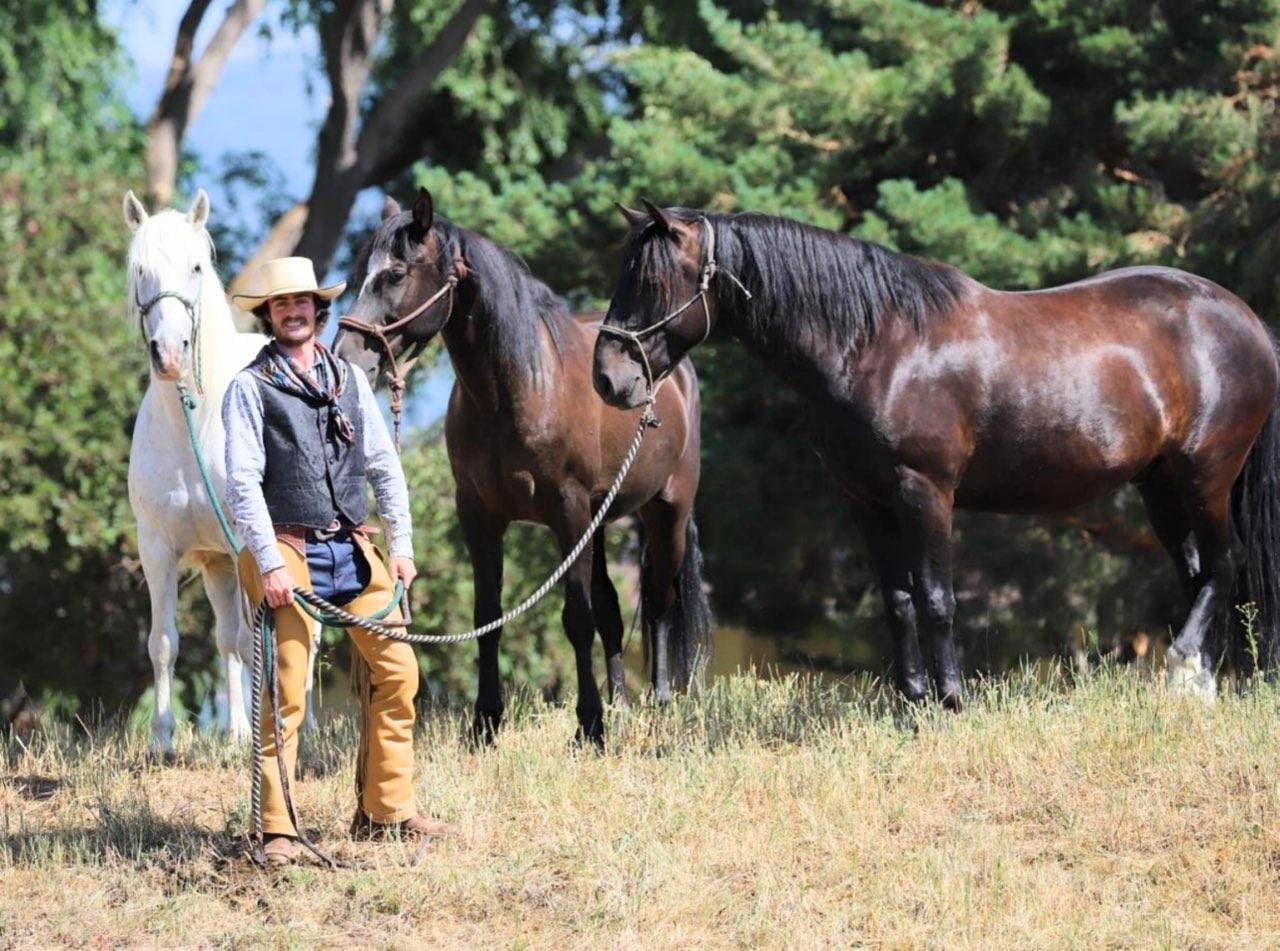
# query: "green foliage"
[[70, 371]]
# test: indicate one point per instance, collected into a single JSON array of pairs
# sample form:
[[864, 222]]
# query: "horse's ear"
[[424, 211], [134, 213], [198, 213], [633, 217], [656, 213], [390, 208]]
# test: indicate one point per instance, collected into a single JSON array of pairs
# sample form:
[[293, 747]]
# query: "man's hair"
[[263, 314]]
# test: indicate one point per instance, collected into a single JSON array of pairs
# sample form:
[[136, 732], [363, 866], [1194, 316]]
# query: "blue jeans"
[[339, 571]]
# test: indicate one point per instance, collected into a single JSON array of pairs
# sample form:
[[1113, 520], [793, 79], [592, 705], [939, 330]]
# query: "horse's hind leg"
[[160, 566], [1172, 525], [1206, 495], [664, 532], [483, 536], [608, 619], [223, 592], [309, 717]]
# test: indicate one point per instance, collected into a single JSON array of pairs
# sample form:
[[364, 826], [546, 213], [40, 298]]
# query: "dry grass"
[[774, 813]]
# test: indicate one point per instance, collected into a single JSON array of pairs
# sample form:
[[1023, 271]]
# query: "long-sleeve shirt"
[[242, 416]]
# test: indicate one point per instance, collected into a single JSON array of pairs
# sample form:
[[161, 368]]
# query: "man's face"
[[293, 318]]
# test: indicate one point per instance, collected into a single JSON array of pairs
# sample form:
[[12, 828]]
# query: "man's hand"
[[403, 569], [277, 587]]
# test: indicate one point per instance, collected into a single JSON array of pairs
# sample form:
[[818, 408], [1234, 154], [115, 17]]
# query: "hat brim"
[[253, 302]]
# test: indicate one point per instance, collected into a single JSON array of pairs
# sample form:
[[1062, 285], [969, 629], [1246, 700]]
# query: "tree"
[[187, 87]]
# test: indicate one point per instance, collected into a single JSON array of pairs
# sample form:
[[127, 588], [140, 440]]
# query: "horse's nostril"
[[186, 345], [155, 351]]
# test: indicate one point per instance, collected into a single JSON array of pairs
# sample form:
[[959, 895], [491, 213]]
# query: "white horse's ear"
[[198, 213], [134, 213]]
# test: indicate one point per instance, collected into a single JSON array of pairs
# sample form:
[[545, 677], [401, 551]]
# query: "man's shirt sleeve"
[[382, 466], [246, 466]]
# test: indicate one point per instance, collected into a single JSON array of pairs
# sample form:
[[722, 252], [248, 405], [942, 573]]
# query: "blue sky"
[[271, 98]]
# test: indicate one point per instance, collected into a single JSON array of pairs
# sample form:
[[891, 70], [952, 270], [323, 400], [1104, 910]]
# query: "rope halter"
[[710, 268], [398, 374], [193, 312]]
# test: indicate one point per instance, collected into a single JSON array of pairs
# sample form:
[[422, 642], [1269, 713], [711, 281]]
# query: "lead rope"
[[334, 616]]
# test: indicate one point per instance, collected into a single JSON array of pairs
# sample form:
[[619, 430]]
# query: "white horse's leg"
[[309, 719], [160, 567], [224, 595]]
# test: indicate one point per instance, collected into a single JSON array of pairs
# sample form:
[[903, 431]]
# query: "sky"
[[270, 98]]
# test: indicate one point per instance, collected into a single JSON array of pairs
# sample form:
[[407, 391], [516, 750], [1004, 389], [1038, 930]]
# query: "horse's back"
[[1037, 400]]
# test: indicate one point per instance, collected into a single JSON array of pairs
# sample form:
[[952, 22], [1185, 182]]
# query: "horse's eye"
[[199, 268], [396, 275]]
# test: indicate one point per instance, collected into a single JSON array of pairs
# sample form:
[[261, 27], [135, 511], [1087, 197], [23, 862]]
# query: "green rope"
[[189, 404]]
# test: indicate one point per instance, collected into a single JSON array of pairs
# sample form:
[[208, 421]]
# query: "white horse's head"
[[170, 260]]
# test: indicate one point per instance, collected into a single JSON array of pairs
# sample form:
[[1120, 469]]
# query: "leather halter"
[[710, 268], [398, 374]]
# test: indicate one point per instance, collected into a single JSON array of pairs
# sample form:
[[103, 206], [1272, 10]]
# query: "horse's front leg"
[[923, 512], [160, 567], [483, 536], [888, 553], [223, 592], [577, 617]]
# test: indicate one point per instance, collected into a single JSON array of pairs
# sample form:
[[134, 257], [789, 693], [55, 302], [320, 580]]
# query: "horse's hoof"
[[484, 730], [953, 701], [1187, 676], [162, 757], [590, 737]]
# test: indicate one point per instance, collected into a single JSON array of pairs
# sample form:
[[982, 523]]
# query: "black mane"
[[799, 274], [514, 301]]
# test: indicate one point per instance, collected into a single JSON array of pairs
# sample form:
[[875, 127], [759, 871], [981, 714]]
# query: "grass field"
[[792, 812]]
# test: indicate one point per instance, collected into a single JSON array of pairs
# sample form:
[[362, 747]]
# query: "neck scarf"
[[324, 384]]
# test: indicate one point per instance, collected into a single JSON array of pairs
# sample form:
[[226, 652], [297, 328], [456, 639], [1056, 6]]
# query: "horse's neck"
[[489, 385], [804, 364], [217, 350]]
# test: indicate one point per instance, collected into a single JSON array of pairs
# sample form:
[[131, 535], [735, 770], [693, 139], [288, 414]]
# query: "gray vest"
[[312, 477]]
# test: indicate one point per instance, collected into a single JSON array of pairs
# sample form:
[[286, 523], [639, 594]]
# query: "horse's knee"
[[162, 646], [937, 606], [902, 609]]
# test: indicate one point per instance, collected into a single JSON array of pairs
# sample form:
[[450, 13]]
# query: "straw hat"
[[287, 276]]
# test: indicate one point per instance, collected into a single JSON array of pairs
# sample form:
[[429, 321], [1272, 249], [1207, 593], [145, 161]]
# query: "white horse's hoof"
[[1187, 676]]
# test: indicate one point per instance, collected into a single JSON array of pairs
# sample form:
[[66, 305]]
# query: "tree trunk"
[[347, 164], [186, 89]]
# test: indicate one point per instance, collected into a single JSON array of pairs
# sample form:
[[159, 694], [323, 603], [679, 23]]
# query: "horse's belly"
[[1054, 475]]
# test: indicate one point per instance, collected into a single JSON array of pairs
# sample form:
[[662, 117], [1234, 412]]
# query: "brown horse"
[[932, 391], [529, 440]]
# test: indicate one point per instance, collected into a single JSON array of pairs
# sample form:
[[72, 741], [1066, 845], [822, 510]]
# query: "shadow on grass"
[[134, 835], [35, 788]]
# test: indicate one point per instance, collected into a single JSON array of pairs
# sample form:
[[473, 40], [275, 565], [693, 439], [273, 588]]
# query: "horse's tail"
[[691, 642], [1255, 510]]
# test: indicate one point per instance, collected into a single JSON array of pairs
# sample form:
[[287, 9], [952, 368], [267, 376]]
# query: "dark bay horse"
[[932, 391], [529, 440]]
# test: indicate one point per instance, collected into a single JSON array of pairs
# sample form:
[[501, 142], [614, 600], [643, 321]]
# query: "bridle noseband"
[[193, 311], [710, 268], [398, 375]]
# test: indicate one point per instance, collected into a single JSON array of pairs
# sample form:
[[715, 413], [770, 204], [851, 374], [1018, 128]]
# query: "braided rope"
[[347, 619]]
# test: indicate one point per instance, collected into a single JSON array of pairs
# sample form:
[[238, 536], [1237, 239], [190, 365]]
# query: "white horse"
[[178, 302]]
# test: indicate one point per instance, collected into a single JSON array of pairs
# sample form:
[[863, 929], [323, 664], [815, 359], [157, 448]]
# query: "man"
[[304, 434]]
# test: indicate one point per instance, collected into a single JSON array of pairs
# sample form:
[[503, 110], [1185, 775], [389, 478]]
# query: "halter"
[[193, 312], [710, 269], [398, 376]]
